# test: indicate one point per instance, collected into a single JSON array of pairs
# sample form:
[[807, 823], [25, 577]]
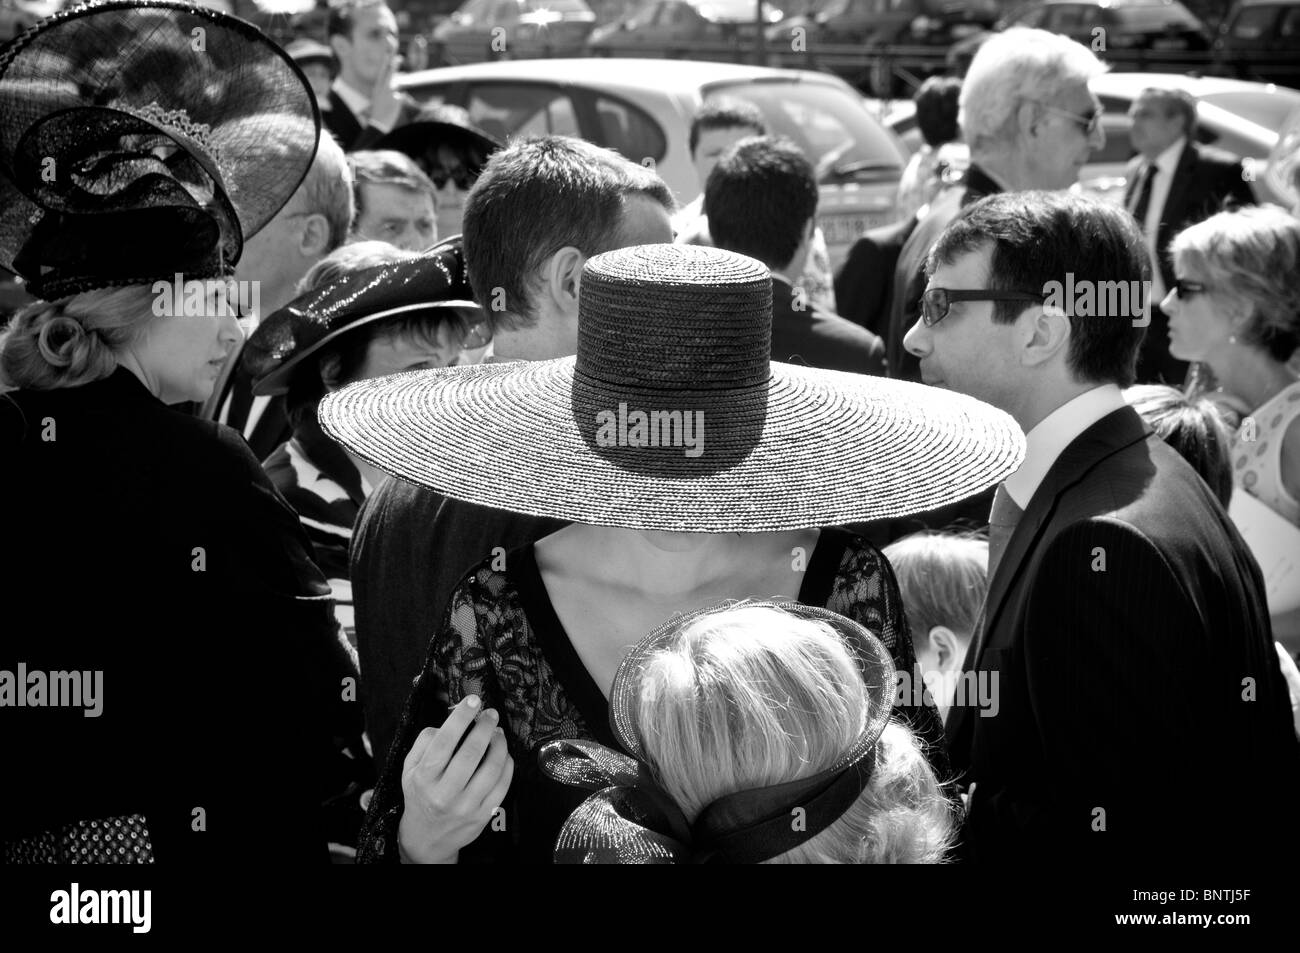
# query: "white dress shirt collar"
[[1046, 441]]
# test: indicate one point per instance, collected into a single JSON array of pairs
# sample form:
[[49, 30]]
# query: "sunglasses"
[[1087, 123], [463, 178], [936, 301], [1186, 289]]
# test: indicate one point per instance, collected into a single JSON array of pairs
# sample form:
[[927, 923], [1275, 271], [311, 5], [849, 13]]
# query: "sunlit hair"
[[328, 189], [387, 167], [726, 113], [1012, 67], [1251, 256], [1193, 426], [751, 696], [74, 341], [943, 578]]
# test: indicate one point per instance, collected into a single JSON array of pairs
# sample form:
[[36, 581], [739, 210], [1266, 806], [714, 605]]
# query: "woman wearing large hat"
[[151, 571], [694, 469]]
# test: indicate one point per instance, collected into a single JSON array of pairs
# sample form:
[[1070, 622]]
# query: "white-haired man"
[[1031, 123]]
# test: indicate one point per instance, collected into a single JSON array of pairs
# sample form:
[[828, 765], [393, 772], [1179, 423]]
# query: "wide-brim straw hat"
[[682, 335]]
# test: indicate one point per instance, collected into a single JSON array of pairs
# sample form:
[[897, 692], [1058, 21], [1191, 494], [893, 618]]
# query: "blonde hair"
[[751, 696], [943, 578], [73, 341]]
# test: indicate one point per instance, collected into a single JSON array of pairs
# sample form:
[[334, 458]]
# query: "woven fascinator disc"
[[143, 138], [630, 819], [673, 417]]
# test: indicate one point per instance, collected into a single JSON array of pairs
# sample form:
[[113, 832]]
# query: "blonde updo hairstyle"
[[753, 696], [75, 340]]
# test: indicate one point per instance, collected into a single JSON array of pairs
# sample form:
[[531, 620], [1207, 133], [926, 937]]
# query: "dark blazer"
[[1136, 681], [344, 126], [816, 338], [865, 282], [909, 274], [149, 545]]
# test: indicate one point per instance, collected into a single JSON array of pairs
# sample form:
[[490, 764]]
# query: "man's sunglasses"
[[1186, 289], [936, 301]]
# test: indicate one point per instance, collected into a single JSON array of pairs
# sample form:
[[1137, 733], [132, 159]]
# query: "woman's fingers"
[[466, 760], [489, 771], [498, 792], [437, 753]]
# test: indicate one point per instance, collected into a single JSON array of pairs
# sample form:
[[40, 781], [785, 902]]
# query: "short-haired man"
[[1031, 123], [395, 201], [540, 209], [363, 105], [1125, 635], [313, 223], [761, 200], [1173, 182]]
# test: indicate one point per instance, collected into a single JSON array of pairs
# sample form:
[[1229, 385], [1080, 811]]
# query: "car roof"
[[683, 76]]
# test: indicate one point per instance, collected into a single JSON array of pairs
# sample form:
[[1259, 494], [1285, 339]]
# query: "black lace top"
[[502, 640]]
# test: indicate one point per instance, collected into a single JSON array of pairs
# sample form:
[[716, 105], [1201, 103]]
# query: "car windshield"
[[1267, 109], [828, 123], [1154, 17]]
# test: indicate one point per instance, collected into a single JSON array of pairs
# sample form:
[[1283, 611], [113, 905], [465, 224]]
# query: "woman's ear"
[[330, 366]]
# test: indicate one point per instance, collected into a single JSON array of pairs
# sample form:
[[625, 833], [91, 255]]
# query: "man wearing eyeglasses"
[[1125, 616], [1031, 123], [1173, 182]]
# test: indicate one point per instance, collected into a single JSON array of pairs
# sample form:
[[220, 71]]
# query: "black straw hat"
[[140, 139], [673, 417]]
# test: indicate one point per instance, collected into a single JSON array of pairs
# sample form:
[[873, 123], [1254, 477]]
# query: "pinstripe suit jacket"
[[1131, 690]]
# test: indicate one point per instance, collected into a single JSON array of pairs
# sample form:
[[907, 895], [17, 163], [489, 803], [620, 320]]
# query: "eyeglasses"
[[1186, 289], [936, 301], [1087, 123]]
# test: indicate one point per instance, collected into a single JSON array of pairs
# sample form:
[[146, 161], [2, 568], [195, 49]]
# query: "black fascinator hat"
[[141, 139]]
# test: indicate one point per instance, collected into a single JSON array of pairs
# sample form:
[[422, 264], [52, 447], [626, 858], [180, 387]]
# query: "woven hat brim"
[[834, 448]]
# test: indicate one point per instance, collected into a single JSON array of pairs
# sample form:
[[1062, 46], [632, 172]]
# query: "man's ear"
[[341, 45], [330, 366], [561, 277], [1027, 119], [1046, 333], [947, 647], [314, 239]]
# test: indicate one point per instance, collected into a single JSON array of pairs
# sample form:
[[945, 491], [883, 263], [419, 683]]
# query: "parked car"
[[1260, 39], [643, 109], [502, 29], [656, 26], [1236, 116], [1123, 31]]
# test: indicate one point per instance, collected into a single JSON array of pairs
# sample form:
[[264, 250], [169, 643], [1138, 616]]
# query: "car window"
[[1148, 19], [505, 11], [1289, 28], [509, 110], [828, 122], [629, 130], [1252, 23]]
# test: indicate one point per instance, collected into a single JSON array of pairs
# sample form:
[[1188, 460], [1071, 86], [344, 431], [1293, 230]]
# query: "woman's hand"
[[449, 798]]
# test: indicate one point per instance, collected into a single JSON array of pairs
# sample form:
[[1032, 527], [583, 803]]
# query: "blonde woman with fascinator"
[[149, 561], [692, 470]]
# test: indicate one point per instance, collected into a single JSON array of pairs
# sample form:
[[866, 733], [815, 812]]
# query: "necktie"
[[1002, 523], [1144, 195]]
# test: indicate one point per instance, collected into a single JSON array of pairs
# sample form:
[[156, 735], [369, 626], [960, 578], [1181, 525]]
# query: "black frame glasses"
[[1185, 289], [936, 302]]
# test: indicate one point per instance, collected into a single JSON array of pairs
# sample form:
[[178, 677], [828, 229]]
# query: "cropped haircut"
[[726, 114], [535, 197], [1251, 255], [73, 341], [306, 386], [387, 167], [943, 578], [1174, 101], [328, 189], [1042, 237], [1191, 425], [759, 199], [936, 109], [751, 696], [1012, 67]]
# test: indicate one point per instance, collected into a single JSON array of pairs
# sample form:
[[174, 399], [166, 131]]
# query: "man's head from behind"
[[311, 224], [1026, 110], [363, 36], [1072, 273], [761, 198], [1160, 118], [394, 199], [541, 208], [717, 126], [936, 110]]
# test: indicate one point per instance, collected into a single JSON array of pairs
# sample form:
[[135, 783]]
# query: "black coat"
[[1136, 674], [815, 338], [344, 126], [149, 545], [864, 284]]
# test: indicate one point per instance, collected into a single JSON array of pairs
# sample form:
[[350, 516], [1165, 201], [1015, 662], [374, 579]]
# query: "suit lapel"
[[1180, 191]]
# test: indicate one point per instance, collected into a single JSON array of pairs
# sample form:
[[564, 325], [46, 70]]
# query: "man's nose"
[[1098, 138], [917, 340]]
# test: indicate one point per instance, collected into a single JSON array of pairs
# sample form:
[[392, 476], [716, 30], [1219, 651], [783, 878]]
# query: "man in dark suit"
[[1173, 182], [761, 201], [865, 282], [363, 106], [1123, 688], [1031, 123]]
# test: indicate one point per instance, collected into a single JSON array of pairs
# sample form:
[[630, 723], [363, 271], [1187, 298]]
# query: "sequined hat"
[[141, 139], [429, 281], [672, 416]]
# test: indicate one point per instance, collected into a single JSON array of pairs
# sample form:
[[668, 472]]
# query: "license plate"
[[845, 229]]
